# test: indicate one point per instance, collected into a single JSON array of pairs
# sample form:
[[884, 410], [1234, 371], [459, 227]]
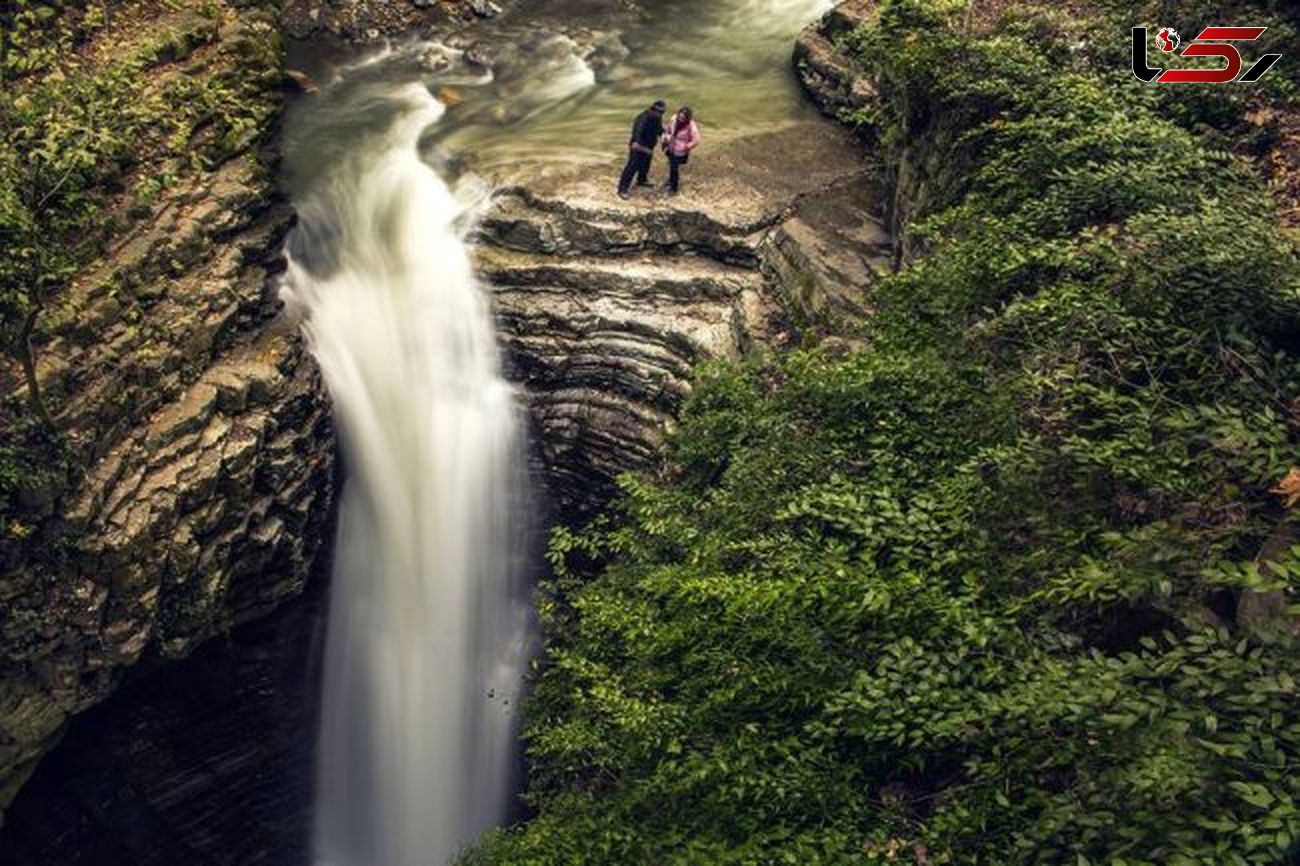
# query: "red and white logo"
[[1210, 42]]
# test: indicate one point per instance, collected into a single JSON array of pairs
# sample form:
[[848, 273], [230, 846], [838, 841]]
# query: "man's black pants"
[[638, 166]]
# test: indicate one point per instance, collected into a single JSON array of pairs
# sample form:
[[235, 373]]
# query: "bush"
[[967, 597]]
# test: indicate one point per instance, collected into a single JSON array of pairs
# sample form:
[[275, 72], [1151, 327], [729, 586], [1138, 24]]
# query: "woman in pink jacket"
[[680, 138]]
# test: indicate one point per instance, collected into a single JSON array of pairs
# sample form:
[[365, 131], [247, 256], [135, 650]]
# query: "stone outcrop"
[[829, 249], [605, 307], [203, 435], [602, 318], [920, 165], [832, 78]]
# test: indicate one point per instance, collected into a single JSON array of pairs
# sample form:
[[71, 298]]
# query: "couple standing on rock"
[[678, 139]]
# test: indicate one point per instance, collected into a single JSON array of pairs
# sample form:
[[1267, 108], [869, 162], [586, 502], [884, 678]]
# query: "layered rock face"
[[602, 316], [206, 440], [828, 252], [201, 762], [918, 168], [831, 76]]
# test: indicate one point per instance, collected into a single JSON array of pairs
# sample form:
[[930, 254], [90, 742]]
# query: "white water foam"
[[429, 626]]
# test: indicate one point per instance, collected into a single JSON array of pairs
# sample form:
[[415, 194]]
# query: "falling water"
[[429, 628]]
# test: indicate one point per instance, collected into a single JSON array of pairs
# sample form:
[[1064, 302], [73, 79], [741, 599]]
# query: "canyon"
[[891, 492], [203, 432]]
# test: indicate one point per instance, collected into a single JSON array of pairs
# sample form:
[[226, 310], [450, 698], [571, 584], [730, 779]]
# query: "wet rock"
[[300, 19], [602, 328], [605, 54], [357, 20], [198, 762], [436, 58], [449, 96], [301, 81], [480, 55], [839, 84]]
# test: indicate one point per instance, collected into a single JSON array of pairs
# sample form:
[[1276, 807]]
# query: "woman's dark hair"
[[686, 112]]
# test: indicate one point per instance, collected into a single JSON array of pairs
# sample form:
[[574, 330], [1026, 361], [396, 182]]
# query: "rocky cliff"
[[838, 85], [197, 438], [832, 77], [915, 175], [605, 307]]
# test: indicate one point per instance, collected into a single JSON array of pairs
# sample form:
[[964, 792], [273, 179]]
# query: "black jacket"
[[647, 128]]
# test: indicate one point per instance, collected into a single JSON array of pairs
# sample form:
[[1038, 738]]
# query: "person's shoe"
[[624, 194]]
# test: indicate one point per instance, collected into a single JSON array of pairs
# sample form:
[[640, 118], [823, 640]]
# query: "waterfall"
[[429, 626]]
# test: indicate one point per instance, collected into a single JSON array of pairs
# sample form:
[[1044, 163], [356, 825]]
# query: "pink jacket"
[[682, 141]]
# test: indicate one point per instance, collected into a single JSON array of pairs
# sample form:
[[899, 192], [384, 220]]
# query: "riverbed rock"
[[370, 20]]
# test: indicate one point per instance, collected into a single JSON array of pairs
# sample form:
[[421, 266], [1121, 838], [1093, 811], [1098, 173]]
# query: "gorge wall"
[[194, 487], [199, 448]]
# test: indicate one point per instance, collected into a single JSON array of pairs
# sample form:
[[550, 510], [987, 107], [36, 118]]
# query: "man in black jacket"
[[646, 131]]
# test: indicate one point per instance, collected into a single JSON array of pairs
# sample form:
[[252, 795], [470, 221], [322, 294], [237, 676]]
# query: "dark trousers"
[[675, 164], [638, 166]]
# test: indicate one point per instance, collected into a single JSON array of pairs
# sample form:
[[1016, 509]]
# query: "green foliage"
[[82, 122], [966, 597], [73, 135]]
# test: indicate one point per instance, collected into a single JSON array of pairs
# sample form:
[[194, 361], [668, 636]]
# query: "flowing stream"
[[430, 628]]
